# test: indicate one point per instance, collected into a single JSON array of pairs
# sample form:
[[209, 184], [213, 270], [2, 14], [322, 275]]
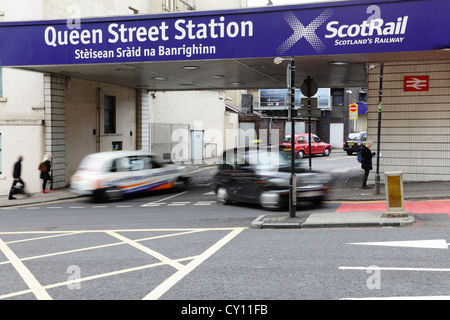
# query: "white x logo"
[[300, 31]]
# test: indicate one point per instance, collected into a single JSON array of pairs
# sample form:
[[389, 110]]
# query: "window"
[[338, 97], [136, 163], [110, 114], [117, 145], [363, 94]]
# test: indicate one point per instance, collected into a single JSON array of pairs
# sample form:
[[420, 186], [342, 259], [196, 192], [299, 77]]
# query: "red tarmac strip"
[[415, 207]]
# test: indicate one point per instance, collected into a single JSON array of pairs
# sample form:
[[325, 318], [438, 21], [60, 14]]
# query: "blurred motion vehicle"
[[262, 176], [355, 141], [302, 145], [111, 175]]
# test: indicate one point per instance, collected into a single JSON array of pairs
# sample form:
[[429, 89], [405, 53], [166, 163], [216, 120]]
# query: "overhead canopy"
[[233, 49]]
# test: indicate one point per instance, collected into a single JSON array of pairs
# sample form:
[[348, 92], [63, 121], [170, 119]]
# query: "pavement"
[[414, 193]]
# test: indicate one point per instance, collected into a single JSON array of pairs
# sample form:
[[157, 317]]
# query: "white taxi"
[[111, 175]]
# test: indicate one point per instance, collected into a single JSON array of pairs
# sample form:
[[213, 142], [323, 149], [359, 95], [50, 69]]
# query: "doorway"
[[197, 144], [336, 135]]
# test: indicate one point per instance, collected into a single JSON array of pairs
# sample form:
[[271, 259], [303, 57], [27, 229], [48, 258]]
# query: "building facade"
[[415, 125]]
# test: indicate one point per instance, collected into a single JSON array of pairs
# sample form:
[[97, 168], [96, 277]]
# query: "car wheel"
[[222, 195], [326, 152], [270, 200], [300, 154], [182, 182], [349, 153], [317, 202], [110, 194]]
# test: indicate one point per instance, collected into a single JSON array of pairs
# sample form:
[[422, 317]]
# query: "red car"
[[302, 145]]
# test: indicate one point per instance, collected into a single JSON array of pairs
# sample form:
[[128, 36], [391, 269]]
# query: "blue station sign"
[[347, 27]]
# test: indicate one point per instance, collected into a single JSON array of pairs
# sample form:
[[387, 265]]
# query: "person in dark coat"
[[45, 172], [17, 171], [366, 164]]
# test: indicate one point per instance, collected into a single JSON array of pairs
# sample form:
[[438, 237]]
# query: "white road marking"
[[178, 204], [182, 270], [32, 283], [397, 269], [150, 204], [98, 246], [172, 280], [93, 277], [153, 204], [204, 203], [425, 244], [147, 250], [46, 237], [204, 184]]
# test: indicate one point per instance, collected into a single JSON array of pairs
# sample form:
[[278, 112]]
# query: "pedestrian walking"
[[366, 164], [45, 167], [17, 172]]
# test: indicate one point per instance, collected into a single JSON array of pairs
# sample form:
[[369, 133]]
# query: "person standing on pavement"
[[45, 167], [366, 164], [17, 171]]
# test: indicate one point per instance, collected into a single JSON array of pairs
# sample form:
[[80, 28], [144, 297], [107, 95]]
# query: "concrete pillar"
[[142, 120], [55, 126]]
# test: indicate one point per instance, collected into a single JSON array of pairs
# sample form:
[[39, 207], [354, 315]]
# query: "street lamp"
[[290, 80]]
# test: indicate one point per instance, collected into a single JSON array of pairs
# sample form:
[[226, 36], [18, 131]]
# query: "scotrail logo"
[[308, 32]]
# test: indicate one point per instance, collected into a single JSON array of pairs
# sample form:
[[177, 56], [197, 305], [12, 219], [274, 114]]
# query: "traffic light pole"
[[293, 180], [308, 80]]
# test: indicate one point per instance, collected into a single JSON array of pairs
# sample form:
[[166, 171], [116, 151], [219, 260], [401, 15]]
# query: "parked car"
[[302, 145], [262, 176], [355, 141], [113, 174]]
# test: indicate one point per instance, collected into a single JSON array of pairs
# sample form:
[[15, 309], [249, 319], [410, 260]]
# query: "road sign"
[[416, 83], [309, 86], [353, 112]]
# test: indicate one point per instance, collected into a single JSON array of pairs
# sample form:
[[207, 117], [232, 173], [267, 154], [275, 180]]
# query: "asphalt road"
[[185, 246]]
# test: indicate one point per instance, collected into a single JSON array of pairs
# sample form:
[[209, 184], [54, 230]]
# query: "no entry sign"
[[353, 112]]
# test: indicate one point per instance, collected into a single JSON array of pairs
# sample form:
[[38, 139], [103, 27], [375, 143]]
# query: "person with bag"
[[366, 164], [17, 171], [45, 167]]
